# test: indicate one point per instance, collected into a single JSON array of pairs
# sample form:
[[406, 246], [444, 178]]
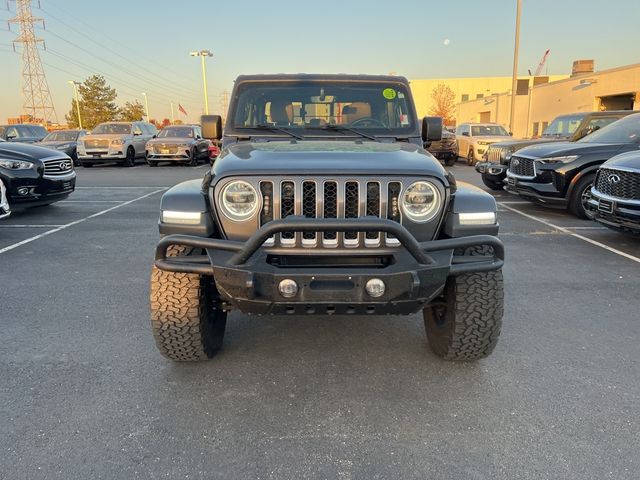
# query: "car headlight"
[[15, 164], [564, 159], [421, 201], [117, 141], [181, 218], [64, 146], [183, 145], [239, 200]]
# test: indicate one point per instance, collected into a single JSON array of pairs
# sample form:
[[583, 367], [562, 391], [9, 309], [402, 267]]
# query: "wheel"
[[130, 159], [576, 205], [186, 320], [152, 163], [471, 158], [76, 160], [450, 162], [193, 162], [465, 324], [491, 183]]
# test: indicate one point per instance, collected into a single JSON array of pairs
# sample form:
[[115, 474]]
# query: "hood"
[[97, 136], [26, 152], [518, 144], [629, 160], [571, 148], [490, 138], [170, 140], [322, 157], [57, 143]]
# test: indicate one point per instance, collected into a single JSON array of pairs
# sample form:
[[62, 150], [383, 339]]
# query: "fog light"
[[375, 287], [23, 191], [288, 288]]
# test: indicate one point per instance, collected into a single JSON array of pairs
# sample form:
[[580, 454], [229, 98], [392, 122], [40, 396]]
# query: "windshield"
[[626, 130], [488, 131], [176, 132], [61, 137], [112, 128], [308, 107], [564, 126]]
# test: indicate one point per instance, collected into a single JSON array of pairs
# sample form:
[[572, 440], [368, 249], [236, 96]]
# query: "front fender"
[[469, 199], [187, 197]]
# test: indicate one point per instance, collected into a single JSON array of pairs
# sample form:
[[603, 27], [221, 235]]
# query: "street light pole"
[[514, 79], [203, 54], [74, 85], [146, 105]]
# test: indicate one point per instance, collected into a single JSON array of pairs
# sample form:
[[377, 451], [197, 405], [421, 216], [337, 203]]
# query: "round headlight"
[[239, 200], [421, 201]]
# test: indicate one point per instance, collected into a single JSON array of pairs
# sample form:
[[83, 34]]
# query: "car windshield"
[[38, 130], [564, 126], [176, 132], [112, 128], [61, 137], [308, 107], [626, 130], [488, 131]]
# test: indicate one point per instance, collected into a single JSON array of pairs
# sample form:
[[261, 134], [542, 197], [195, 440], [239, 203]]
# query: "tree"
[[444, 104], [97, 103], [131, 112]]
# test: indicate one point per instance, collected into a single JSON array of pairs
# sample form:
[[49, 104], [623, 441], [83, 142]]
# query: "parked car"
[[565, 128], [445, 149], [5, 210], [324, 201], [22, 133], [178, 143], [66, 141], [559, 174], [474, 139], [35, 176], [614, 199], [120, 142]]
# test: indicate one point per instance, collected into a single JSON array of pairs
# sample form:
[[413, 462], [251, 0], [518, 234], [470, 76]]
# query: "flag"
[[182, 110]]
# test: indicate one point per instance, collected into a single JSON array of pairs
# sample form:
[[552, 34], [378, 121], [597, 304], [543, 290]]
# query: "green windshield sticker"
[[389, 93]]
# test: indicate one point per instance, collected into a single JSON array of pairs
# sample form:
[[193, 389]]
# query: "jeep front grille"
[[522, 166], [618, 183], [330, 198], [494, 153]]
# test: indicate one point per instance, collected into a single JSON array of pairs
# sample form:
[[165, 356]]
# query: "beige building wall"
[[471, 88], [496, 109]]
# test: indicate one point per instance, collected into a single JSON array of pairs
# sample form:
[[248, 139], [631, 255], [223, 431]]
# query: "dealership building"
[[541, 99]]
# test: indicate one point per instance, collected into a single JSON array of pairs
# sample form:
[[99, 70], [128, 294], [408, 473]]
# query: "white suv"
[[121, 142], [474, 139]]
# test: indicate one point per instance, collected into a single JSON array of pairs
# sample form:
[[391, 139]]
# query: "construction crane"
[[543, 61]]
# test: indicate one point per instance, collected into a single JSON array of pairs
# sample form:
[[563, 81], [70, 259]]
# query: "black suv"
[[565, 128], [559, 174], [324, 202], [614, 199]]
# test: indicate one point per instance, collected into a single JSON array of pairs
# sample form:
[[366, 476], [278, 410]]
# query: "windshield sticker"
[[404, 119], [389, 93]]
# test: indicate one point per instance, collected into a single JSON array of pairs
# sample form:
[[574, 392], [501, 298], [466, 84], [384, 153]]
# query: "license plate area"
[[605, 206], [512, 182]]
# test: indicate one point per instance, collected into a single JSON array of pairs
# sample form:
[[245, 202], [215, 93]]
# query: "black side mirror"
[[211, 127], [431, 129], [465, 134]]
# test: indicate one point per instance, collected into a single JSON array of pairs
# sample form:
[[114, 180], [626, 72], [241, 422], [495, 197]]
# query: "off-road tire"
[[464, 323], [152, 163], [575, 202], [492, 184], [186, 322], [450, 162], [130, 159], [471, 159]]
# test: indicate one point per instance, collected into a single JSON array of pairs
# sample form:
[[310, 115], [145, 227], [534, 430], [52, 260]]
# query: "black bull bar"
[[242, 252]]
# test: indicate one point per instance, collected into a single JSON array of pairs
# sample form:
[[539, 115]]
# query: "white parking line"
[[92, 201], [569, 232], [30, 226], [63, 227]]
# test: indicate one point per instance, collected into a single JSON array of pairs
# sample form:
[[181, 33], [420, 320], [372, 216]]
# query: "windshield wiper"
[[342, 128], [266, 126]]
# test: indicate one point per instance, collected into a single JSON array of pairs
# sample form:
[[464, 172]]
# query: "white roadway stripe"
[[63, 227], [91, 201], [31, 226], [573, 234], [120, 188]]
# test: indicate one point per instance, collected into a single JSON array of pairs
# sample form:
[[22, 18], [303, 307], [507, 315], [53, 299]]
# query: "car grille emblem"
[[65, 166], [516, 162], [614, 179]]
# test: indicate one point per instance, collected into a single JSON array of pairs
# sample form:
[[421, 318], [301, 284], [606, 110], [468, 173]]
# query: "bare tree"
[[444, 104]]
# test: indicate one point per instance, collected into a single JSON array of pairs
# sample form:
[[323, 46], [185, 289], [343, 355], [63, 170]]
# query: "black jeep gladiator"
[[323, 201]]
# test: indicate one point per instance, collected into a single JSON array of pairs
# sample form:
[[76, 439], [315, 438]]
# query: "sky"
[[143, 46]]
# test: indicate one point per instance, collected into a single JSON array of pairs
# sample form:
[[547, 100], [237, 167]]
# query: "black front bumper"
[[247, 278], [495, 171], [40, 190], [544, 193], [615, 213]]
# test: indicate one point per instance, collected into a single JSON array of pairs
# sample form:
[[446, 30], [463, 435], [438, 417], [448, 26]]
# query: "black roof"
[[322, 77]]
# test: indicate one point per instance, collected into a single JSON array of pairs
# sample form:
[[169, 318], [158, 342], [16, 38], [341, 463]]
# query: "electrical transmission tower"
[[35, 90], [224, 103]]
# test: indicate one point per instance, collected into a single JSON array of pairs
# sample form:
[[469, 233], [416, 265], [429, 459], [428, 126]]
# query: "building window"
[[465, 97], [480, 95], [536, 129], [544, 125]]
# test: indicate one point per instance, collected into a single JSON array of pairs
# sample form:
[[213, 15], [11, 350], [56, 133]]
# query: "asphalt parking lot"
[[85, 394]]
